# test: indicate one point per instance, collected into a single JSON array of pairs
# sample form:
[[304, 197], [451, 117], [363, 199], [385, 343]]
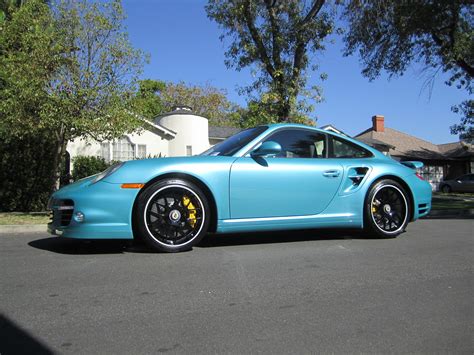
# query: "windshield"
[[233, 144]]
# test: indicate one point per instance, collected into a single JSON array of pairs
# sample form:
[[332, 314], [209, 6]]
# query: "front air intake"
[[62, 212]]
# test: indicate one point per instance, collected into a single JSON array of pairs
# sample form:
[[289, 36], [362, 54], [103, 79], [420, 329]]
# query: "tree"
[[205, 100], [275, 38], [391, 35], [70, 70], [147, 101], [155, 97], [465, 129]]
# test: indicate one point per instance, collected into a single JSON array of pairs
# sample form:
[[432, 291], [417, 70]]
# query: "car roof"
[[275, 126]]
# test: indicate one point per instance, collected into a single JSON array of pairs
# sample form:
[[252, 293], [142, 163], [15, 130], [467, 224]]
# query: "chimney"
[[378, 123]]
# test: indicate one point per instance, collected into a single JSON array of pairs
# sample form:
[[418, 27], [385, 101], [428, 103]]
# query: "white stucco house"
[[176, 133]]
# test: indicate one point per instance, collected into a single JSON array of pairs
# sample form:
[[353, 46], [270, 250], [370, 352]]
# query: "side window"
[[345, 149], [300, 143]]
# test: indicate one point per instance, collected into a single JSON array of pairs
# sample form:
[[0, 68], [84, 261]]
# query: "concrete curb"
[[27, 228]]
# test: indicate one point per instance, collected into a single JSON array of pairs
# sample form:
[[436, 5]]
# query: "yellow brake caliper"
[[192, 211]]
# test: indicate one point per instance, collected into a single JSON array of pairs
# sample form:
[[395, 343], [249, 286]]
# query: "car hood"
[[141, 171]]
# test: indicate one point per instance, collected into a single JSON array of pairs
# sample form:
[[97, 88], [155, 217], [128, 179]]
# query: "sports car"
[[266, 178]]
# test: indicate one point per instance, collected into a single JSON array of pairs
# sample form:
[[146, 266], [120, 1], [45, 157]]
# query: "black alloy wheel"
[[387, 209], [172, 215]]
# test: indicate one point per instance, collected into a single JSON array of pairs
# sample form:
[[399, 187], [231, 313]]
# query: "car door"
[[297, 182], [470, 183], [466, 183]]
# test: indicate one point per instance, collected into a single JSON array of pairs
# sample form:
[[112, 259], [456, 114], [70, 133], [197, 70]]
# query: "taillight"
[[419, 176]]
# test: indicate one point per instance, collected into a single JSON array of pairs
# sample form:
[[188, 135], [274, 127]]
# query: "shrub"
[[86, 166], [26, 171]]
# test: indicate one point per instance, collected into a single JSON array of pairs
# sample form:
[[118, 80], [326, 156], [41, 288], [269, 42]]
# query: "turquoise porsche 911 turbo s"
[[271, 177]]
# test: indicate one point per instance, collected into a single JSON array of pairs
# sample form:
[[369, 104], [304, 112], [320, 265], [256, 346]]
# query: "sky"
[[184, 45]]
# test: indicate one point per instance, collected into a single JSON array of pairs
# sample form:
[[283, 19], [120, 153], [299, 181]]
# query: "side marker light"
[[132, 186]]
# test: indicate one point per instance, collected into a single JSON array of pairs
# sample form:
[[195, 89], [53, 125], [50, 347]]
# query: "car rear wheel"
[[387, 209], [172, 215], [446, 189]]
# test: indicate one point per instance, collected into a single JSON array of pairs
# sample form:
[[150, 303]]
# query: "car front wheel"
[[387, 209], [172, 215]]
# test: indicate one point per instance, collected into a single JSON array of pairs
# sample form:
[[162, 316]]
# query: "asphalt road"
[[292, 292]]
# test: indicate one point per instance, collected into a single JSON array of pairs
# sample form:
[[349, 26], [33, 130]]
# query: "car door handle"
[[331, 173]]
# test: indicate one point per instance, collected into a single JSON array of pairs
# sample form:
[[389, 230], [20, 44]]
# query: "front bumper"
[[106, 207]]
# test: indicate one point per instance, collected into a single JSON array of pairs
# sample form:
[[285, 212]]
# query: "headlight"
[[107, 172]]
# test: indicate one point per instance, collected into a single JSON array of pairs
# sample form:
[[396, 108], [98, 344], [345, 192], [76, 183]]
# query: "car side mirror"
[[267, 148]]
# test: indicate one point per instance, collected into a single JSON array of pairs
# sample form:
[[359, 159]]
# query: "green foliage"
[[205, 100], [147, 101], [25, 168], [275, 39], [465, 129], [390, 35], [29, 55], [86, 166], [156, 97], [264, 112], [68, 69]]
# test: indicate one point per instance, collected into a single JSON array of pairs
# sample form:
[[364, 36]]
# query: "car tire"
[[446, 189], [172, 215], [387, 209]]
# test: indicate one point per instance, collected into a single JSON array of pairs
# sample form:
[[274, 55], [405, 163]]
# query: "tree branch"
[[317, 5], [301, 40], [469, 69], [276, 50], [258, 40]]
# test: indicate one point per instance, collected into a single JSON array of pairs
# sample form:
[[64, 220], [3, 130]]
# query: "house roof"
[[374, 142], [457, 149], [223, 132], [159, 128], [405, 145], [330, 127], [177, 110]]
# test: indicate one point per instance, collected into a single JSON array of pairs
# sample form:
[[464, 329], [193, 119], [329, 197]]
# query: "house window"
[[105, 151], [433, 174], [189, 150], [141, 151], [123, 149]]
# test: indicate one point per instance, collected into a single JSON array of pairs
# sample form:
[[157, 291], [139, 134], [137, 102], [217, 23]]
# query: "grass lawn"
[[452, 205], [452, 201], [453, 194], [23, 218]]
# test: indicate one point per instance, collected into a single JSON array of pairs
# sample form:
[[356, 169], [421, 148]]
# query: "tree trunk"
[[61, 144]]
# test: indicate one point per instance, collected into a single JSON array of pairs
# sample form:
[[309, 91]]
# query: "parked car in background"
[[464, 183]]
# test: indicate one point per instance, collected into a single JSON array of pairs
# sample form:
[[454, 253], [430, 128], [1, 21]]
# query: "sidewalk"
[[24, 228]]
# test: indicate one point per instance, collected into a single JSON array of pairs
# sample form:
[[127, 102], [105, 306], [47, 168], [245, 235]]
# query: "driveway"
[[292, 292]]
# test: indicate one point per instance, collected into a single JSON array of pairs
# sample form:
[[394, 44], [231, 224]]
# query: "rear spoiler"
[[412, 164]]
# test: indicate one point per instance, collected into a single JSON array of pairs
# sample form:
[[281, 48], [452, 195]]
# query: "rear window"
[[340, 148]]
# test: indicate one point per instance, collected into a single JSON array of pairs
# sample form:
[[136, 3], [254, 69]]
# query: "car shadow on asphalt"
[[218, 240], [87, 247], [68, 246]]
